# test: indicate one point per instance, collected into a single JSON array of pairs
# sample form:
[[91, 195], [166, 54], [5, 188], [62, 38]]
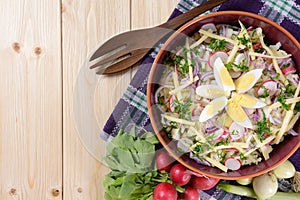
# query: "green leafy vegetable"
[[129, 153], [134, 175]]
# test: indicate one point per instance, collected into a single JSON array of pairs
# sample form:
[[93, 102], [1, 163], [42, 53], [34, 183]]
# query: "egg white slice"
[[247, 80], [211, 91], [248, 101], [213, 108], [222, 76], [237, 114]]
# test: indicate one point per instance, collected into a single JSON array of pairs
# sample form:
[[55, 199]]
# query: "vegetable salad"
[[229, 96]]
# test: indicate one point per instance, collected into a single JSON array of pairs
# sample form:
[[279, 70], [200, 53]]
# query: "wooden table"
[[43, 44]]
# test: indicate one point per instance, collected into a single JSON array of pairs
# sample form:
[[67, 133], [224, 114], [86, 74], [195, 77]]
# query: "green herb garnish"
[[241, 66], [217, 44], [297, 107], [262, 127], [285, 66], [281, 100], [243, 40], [182, 107]]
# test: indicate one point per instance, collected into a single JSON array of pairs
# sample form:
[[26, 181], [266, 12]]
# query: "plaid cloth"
[[131, 110]]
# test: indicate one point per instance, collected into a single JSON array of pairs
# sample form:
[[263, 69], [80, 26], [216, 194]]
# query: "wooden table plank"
[[31, 100], [85, 25]]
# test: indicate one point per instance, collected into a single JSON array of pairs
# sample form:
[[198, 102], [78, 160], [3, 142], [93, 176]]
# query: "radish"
[[269, 85], [171, 103], [180, 175], [203, 183], [236, 131], [209, 26], [220, 134], [163, 161], [212, 58], [257, 45], [233, 164], [288, 70], [191, 193], [231, 149], [165, 191]]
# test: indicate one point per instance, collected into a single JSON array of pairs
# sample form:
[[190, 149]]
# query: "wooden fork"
[[126, 49]]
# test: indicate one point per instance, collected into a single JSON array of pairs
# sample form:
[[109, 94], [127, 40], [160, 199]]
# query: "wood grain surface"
[[43, 48]]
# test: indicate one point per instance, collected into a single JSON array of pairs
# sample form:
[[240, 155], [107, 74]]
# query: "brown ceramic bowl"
[[274, 33]]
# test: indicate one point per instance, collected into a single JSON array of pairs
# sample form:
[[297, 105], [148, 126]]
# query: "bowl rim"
[[150, 80]]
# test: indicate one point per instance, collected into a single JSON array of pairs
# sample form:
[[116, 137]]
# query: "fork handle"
[[185, 17]]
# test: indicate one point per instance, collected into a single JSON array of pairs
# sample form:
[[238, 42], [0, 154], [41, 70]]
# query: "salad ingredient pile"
[[228, 95]]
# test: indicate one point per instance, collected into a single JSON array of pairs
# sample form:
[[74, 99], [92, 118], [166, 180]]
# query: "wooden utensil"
[[126, 49]]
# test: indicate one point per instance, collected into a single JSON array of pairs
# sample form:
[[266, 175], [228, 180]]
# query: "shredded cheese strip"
[[269, 56], [266, 141], [247, 36], [176, 84], [235, 49], [296, 95], [275, 63], [216, 164], [287, 101], [293, 121], [218, 37], [233, 53], [284, 125], [262, 148], [198, 42], [181, 87], [189, 60], [199, 134], [182, 121], [287, 118]]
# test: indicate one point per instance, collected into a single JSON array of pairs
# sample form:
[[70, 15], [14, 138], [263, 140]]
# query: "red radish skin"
[[270, 85], [191, 193], [222, 135], [233, 164], [165, 191], [257, 45], [288, 70], [203, 183], [212, 58], [180, 175], [163, 161]]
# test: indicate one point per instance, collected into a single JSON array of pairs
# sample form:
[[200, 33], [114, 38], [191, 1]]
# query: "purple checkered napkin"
[[131, 110]]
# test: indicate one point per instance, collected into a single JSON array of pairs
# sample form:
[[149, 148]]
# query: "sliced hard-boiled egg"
[[247, 80], [211, 91], [222, 76], [248, 101], [213, 108], [237, 114]]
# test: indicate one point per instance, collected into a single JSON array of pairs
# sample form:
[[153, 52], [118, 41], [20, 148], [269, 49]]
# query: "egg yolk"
[[244, 100], [225, 77], [245, 82], [215, 92], [235, 111]]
